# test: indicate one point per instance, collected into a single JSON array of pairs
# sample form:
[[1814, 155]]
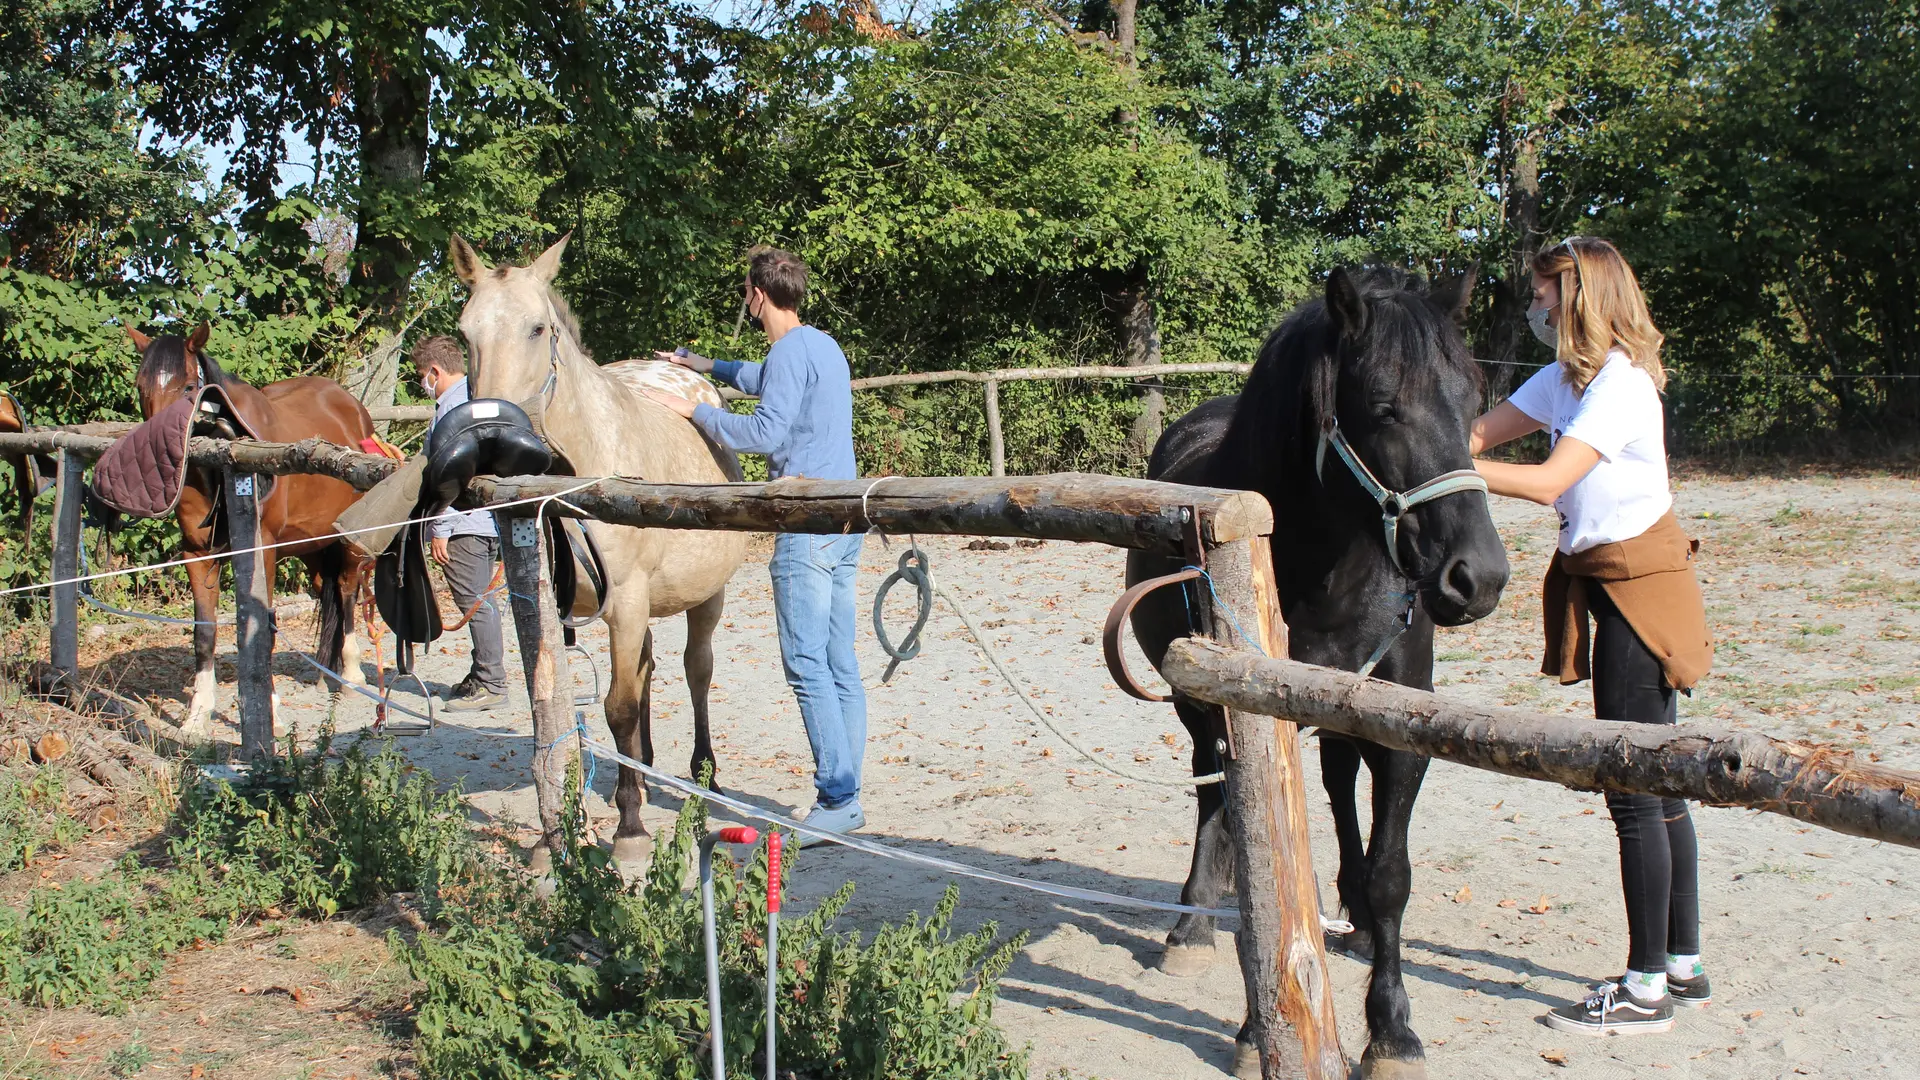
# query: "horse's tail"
[[329, 564]]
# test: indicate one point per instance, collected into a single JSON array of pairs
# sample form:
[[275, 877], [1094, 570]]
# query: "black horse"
[[1370, 386]]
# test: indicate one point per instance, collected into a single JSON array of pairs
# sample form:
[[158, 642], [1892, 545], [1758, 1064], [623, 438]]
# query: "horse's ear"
[[1349, 311], [467, 263], [140, 340], [1455, 294], [198, 339], [547, 266]]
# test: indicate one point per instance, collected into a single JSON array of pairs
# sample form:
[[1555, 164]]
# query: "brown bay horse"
[[297, 515]]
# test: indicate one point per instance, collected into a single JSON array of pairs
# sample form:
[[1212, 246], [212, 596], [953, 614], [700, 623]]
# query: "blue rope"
[[1221, 605], [579, 728]]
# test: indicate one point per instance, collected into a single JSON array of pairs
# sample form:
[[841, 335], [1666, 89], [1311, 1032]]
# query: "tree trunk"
[[1134, 300], [390, 110], [1513, 295], [1140, 347]]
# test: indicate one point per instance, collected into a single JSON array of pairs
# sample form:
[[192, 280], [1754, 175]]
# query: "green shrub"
[[301, 834], [602, 981], [598, 980]]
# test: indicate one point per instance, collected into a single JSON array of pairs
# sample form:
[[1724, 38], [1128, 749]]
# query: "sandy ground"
[[1814, 589]]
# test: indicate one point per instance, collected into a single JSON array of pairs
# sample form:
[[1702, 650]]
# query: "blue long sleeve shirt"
[[454, 522], [804, 423]]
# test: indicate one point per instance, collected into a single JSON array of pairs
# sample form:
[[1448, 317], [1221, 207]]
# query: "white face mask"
[[1537, 322], [426, 386]]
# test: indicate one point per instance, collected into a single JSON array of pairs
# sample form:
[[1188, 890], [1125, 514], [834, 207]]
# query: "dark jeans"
[[1658, 856], [470, 561]]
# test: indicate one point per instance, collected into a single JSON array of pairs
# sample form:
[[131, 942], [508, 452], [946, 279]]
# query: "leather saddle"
[[481, 437]]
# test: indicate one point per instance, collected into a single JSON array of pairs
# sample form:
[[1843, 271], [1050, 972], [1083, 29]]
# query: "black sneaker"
[[1609, 1009], [468, 695], [1693, 993]]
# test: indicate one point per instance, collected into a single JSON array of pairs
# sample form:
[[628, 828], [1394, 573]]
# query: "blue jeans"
[[813, 607]]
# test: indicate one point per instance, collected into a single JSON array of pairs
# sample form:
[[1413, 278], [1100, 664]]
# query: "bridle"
[[1393, 505], [554, 359]]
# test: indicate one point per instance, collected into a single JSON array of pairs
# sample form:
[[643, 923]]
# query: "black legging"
[[1658, 855]]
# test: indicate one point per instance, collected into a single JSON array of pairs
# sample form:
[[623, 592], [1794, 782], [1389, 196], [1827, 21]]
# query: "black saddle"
[[483, 437]]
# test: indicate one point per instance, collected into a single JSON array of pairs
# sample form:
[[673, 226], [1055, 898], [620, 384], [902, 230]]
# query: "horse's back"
[[669, 378], [1184, 454], [309, 406]]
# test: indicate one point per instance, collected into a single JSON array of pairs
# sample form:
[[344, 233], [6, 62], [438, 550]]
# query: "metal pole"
[[740, 834], [773, 944]]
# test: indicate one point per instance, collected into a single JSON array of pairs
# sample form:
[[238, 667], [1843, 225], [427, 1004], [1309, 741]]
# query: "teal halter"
[[1394, 505]]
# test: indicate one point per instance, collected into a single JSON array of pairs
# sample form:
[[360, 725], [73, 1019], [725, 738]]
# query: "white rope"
[[1020, 692], [864, 514], [871, 847], [1019, 689], [542, 499]]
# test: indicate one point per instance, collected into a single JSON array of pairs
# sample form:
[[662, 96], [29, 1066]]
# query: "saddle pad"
[[381, 510], [144, 471]]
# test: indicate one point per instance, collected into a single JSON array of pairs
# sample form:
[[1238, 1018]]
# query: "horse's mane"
[[1289, 397], [563, 314]]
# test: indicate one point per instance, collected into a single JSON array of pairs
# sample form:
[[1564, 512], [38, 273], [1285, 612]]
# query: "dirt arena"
[[1813, 588]]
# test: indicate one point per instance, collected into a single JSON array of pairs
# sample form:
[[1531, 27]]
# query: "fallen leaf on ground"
[[1754, 1015], [1465, 894], [1555, 1057], [1541, 906], [1509, 903]]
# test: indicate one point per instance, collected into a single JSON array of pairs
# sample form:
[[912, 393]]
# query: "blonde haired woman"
[[1623, 559]]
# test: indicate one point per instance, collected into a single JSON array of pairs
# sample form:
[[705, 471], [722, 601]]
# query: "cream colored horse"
[[524, 348]]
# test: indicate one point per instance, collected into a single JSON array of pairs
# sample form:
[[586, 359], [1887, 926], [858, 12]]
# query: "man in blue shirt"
[[804, 425], [464, 544]]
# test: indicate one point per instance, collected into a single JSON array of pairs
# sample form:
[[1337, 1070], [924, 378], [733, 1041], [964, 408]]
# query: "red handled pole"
[[739, 834], [773, 944]]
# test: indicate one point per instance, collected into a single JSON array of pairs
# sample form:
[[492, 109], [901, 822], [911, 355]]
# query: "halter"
[[554, 360], [1394, 505]]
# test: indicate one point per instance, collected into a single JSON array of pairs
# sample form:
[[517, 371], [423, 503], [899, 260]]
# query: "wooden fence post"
[[996, 439], [71, 478], [253, 614], [1290, 1017], [543, 659]]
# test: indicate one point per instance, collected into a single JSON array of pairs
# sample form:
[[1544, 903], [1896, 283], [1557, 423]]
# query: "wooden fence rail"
[[1118, 511], [1703, 762], [989, 380]]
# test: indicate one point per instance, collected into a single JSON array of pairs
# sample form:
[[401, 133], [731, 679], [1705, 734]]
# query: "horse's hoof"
[[1186, 961], [632, 853], [1246, 1062], [1391, 1069]]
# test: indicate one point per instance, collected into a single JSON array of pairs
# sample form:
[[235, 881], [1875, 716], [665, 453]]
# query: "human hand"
[[440, 554], [686, 358], [678, 404]]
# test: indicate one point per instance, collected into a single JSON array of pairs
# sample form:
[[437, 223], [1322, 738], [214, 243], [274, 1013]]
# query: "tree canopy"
[[985, 183]]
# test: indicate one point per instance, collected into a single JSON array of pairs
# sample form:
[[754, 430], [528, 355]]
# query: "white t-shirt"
[[1620, 416]]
